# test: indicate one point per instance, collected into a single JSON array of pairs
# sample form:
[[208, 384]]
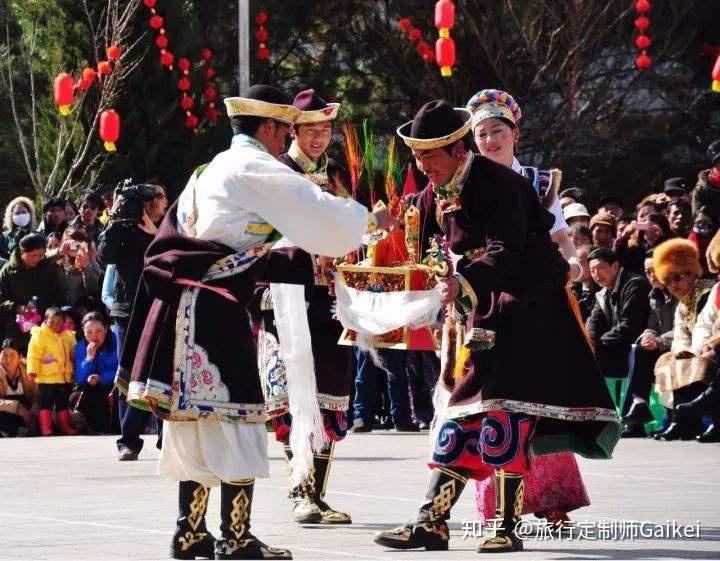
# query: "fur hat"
[[674, 257], [713, 254]]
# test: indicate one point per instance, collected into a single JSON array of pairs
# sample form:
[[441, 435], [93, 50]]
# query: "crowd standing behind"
[[648, 295]]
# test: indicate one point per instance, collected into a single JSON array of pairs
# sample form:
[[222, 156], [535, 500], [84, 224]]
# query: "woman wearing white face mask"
[[19, 221]]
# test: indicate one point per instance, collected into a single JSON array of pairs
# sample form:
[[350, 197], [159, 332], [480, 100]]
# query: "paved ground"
[[68, 498]]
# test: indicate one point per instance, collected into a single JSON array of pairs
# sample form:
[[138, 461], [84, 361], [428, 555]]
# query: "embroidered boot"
[[192, 539], [305, 511], [322, 463], [45, 421], [236, 541], [429, 528], [509, 489]]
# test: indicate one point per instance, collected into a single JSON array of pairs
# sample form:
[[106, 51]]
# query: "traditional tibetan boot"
[[305, 511], [236, 541], [192, 539], [45, 421], [509, 488], [429, 528], [321, 463]]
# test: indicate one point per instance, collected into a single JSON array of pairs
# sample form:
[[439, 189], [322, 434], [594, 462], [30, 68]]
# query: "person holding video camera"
[[640, 237], [123, 243]]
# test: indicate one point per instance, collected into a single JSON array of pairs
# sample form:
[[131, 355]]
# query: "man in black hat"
[[677, 188], [572, 195], [610, 205], [189, 353], [707, 190], [519, 332], [53, 220], [311, 135]]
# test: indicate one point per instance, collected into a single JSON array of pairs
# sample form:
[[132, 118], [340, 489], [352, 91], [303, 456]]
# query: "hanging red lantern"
[[186, 102], [716, 76], [210, 73], [161, 41], [262, 35], [104, 68], [642, 42], [444, 14], [114, 53], [206, 54], [156, 22], [642, 6], [405, 24], [183, 84], [445, 55], [261, 18], [210, 93], [150, 3], [64, 94], [642, 23], [263, 53], [166, 58], [191, 121], [212, 114], [415, 34], [184, 64], [110, 129], [87, 80], [643, 62]]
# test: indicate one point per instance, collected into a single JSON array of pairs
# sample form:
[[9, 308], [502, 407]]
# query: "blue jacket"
[[105, 363]]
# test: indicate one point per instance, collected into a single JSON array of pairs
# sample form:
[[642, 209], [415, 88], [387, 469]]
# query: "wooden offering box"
[[391, 279]]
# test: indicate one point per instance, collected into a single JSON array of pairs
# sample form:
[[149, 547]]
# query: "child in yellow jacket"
[[50, 361]]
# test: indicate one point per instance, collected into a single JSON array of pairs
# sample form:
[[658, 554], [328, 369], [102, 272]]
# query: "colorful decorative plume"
[[353, 158], [368, 159]]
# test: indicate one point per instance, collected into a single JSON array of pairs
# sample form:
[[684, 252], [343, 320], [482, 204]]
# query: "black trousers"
[[642, 376], [53, 394]]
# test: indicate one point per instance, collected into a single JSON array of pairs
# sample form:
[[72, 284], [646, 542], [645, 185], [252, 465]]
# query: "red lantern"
[[716, 70], [415, 34], [212, 114], [166, 58], [150, 3], [64, 94], [191, 121], [104, 68], [114, 53], [263, 53], [642, 6], [444, 14], [206, 54], [184, 64], [88, 78], [186, 102], [262, 35], [156, 22], [642, 42], [110, 129], [161, 41], [445, 55], [643, 62], [405, 25], [210, 73], [261, 18], [183, 84], [642, 23], [210, 93]]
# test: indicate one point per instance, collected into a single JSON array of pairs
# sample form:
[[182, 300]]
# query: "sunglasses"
[[677, 277]]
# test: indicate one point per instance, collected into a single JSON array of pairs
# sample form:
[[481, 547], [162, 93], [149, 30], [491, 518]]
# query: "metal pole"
[[244, 45]]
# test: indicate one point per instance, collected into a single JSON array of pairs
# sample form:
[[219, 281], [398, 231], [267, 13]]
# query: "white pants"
[[210, 451]]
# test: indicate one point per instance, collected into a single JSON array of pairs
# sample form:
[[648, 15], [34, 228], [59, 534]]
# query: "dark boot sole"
[[248, 556], [190, 555], [397, 544], [517, 547]]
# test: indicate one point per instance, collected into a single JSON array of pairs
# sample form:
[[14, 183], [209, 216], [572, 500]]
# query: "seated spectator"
[[78, 273], [71, 211], [90, 206], [707, 191], [580, 235], [654, 341], [572, 195], [639, 238], [620, 313], [680, 218], [53, 217], [678, 188], [19, 221], [27, 275], [96, 363], [611, 205], [576, 213], [623, 222], [585, 289], [18, 393], [703, 230], [602, 228], [677, 266], [50, 363]]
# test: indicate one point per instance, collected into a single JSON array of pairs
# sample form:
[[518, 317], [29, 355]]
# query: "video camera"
[[129, 200]]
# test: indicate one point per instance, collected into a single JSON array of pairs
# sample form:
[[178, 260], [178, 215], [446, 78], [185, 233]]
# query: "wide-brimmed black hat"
[[314, 108], [437, 124], [263, 101], [677, 185]]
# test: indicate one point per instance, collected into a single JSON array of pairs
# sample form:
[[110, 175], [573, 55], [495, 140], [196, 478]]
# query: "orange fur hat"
[[676, 256]]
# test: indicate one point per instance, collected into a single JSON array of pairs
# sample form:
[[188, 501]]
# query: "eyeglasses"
[[677, 277]]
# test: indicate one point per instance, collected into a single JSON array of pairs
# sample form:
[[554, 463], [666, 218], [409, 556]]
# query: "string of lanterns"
[[415, 35], [642, 41], [445, 46], [262, 35]]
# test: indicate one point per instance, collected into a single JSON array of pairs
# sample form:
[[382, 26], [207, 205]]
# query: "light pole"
[[243, 45]]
